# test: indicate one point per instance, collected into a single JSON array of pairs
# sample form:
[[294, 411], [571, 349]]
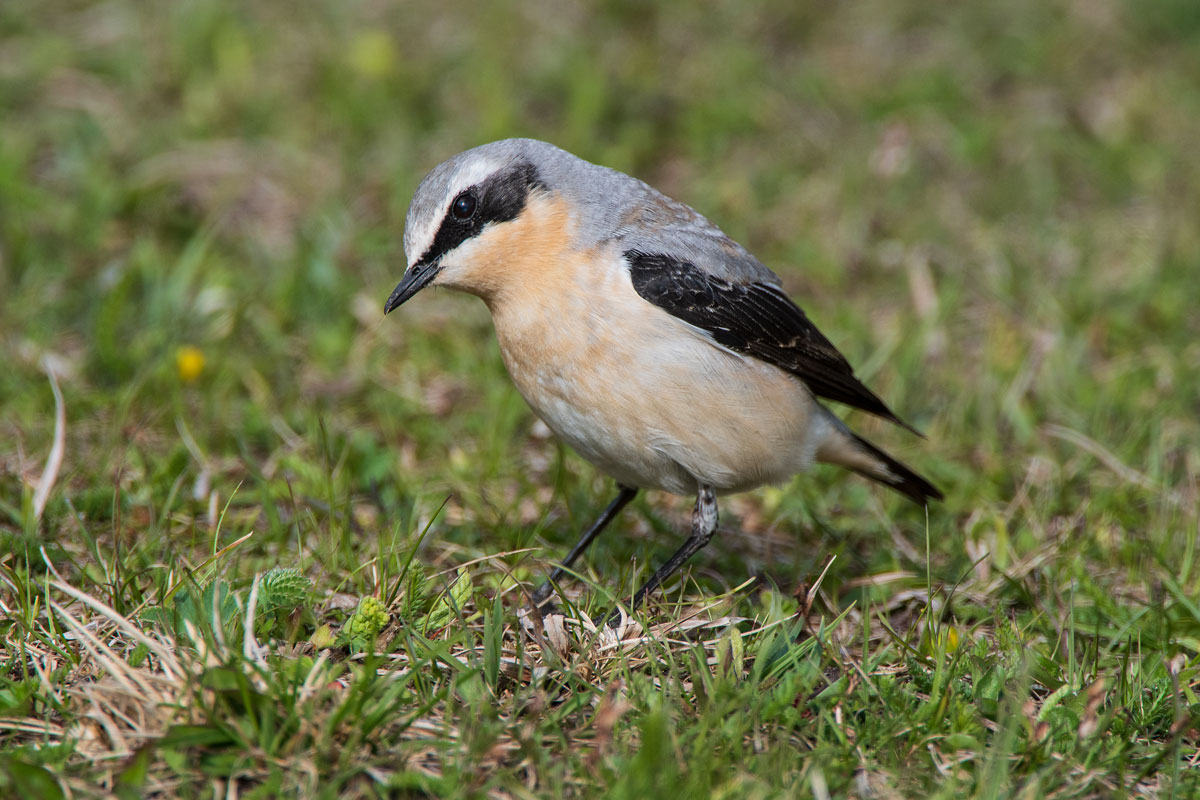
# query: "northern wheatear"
[[656, 346]]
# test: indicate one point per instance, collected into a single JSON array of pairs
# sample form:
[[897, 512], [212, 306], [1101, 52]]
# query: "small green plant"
[[283, 589], [366, 622], [450, 604], [212, 612], [215, 610], [283, 604]]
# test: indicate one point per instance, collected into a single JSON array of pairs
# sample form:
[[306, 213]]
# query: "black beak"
[[416, 279]]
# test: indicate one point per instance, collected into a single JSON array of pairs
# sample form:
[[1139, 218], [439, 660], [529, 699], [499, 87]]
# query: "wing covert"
[[755, 319]]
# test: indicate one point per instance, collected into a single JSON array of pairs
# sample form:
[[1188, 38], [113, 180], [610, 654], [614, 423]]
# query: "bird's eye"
[[463, 206]]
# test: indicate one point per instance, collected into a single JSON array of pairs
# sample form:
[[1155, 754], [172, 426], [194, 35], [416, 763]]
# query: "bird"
[[653, 344]]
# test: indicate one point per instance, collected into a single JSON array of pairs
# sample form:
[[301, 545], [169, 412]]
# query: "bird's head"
[[480, 209]]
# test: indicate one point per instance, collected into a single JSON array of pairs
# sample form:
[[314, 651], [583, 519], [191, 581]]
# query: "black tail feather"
[[898, 476]]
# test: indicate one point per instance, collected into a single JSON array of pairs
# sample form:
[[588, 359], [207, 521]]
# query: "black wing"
[[756, 319]]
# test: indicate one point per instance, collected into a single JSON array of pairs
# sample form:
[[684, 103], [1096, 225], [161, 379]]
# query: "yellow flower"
[[189, 363], [946, 638]]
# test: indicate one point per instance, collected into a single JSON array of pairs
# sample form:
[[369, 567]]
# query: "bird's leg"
[[626, 494], [704, 525]]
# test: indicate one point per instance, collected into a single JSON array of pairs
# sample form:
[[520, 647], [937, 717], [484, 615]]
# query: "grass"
[[256, 540]]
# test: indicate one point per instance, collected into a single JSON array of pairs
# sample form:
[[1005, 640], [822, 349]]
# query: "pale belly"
[[650, 402]]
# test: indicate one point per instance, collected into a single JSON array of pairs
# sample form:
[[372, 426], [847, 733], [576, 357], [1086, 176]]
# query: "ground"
[[256, 539]]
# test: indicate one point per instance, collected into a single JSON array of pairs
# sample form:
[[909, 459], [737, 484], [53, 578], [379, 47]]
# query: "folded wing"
[[756, 319]]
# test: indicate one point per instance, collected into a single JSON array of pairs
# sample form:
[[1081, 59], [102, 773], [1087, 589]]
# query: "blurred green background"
[[991, 208]]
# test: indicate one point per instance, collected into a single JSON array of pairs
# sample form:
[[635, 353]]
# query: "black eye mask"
[[500, 198]]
